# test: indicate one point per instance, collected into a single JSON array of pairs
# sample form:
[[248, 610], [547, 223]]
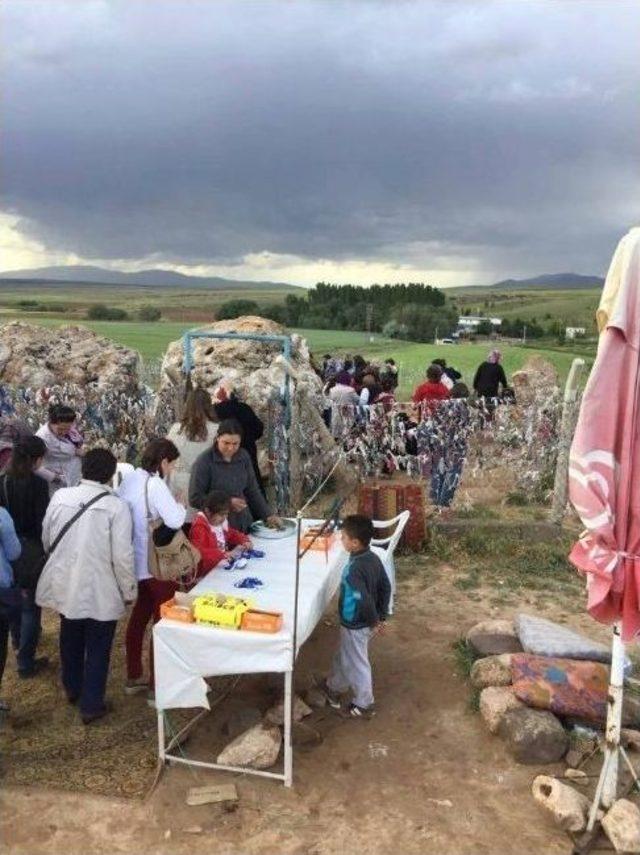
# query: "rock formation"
[[35, 356]]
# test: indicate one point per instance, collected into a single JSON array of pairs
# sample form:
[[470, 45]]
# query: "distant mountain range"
[[552, 281], [156, 278]]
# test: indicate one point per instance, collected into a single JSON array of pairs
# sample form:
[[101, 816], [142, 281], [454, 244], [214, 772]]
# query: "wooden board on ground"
[[211, 794]]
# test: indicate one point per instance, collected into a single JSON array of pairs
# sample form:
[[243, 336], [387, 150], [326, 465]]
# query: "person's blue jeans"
[[444, 484], [85, 650], [25, 630]]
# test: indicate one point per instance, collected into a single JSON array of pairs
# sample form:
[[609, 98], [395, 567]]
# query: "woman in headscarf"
[[490, 376]]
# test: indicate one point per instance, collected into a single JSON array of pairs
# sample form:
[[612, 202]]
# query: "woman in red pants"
[[146, 492]]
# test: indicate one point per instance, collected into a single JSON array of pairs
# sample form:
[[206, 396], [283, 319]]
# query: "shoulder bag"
[[175, 561]]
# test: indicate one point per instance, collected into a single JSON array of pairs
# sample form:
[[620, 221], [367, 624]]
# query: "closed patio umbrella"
[[604, 479]]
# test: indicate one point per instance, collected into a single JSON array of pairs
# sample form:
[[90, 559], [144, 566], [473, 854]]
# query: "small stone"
[[495, 701], [193, 829], [576, 775], [167, 834], [491, 671], [630, 738], [621, 824], [258, 747], [533, 736], [241, 720], [275, 715], [316, 698], [568, 808], [492, 637], [447, 803]]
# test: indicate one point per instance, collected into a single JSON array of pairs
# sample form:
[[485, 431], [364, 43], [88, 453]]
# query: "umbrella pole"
[[607, 788]]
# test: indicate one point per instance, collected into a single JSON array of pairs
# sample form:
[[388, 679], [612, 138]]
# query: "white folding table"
[[184, 654]]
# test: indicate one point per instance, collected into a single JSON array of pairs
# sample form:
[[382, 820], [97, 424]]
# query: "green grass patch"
[[464, 657]]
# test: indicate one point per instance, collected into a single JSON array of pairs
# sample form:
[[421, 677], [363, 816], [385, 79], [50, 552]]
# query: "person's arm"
[[502, 377], [172, 513], [47, 525], [200, 481], [122, 552], [236, 538], [364, 396], [383, 594], [417, 395], [206, 544], [8, 537], [252, 493], [477, 377]]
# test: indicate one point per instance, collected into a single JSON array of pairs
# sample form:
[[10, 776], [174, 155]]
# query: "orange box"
[[172, 611], [322, 543], [256, 621]]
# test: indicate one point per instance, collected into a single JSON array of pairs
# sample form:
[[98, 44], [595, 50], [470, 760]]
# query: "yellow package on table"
[[220, 610]]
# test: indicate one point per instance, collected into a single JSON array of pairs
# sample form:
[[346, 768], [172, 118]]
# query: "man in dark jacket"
[[490, 376], [226, 466], [363, 606]]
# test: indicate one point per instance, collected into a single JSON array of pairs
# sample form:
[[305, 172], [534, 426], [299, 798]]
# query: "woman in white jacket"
[[65, 447], [88, 578], [146, 492]]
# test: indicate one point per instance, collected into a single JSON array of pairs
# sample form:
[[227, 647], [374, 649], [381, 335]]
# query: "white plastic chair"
[[385, 547], [122, 469]]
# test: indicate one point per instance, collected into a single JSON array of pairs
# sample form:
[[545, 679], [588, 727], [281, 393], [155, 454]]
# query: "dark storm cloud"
[[498, 136]]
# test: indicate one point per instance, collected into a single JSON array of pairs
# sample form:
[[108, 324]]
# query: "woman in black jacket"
[[26, 496]]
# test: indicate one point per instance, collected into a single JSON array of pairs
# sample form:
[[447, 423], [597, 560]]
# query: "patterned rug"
[[43, 741]]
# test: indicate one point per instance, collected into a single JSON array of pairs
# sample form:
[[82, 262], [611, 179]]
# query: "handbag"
[[175, 561]]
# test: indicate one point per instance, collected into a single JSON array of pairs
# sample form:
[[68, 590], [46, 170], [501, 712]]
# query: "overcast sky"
[[454, 142]]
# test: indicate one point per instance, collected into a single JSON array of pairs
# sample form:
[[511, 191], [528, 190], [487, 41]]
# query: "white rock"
[[275, 715], [621, 824], [35, 356], [495, 701], [257, 747], [568, 808], [491, 671]]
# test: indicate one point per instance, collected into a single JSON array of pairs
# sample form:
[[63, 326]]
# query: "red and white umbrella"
[[604, 483]]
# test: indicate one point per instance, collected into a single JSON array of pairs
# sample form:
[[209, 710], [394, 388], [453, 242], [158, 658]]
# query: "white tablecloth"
[[186, 653]]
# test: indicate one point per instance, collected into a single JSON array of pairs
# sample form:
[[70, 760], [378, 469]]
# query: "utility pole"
[[435, 339], [524, 334], [369, 317]]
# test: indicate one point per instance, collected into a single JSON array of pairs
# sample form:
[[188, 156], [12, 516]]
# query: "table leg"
[[161, 744], [288, 736]]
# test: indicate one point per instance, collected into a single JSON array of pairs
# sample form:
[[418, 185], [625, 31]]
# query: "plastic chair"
[[385, 547], [122, 469]]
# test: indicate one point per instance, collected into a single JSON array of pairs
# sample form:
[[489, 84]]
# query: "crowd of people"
[[81, 535]]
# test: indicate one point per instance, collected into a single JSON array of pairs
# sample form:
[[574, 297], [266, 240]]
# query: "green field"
[[573, 308], [151, 340]]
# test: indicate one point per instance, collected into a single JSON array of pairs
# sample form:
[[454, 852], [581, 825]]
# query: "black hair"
[[25, 453], [434, 373], [387, 384], [61, 414], [217, 501], [155, 452], [99, 465], [359, 527], [230, 426], [441, 362], [348, 363], [390, 361], [459, 390]]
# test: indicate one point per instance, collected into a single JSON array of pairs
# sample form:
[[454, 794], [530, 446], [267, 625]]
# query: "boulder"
[[546, 638], [256, 371], [621, 824], [241, 720], [533, 736], [568, 808], [495, 702], [275, 715], [630, 738], [492, 637], [257, 747], [491, 671], [34, 356]]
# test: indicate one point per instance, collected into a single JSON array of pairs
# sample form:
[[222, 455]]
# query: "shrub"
[[149, 313], [100, 312], [236, 308]]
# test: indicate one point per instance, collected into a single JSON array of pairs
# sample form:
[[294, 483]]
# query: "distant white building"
[[572, 332], [471, 322]]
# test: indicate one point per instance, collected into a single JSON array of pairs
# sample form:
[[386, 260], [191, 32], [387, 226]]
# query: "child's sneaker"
[[333, 698], [361, 712]]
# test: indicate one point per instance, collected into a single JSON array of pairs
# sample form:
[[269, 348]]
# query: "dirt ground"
[[423, 776]]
